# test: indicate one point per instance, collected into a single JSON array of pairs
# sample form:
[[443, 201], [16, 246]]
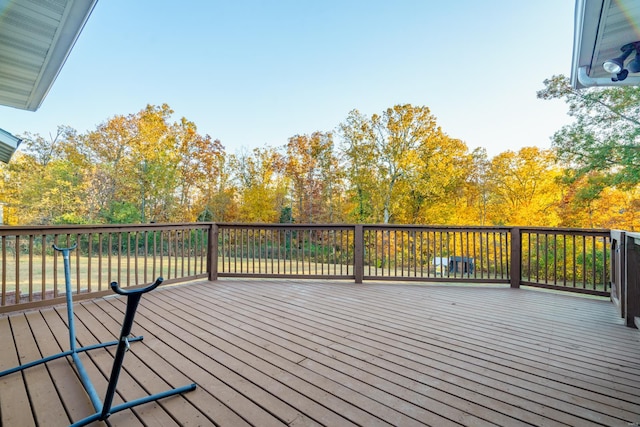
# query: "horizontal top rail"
[[24, 230], [288, 226], [566, 231]]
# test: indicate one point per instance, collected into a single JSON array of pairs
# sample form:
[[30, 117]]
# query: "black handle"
[[57, 248], [118, 290]]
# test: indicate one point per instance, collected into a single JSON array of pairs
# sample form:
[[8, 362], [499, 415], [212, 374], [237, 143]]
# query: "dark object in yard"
[[461, 265]]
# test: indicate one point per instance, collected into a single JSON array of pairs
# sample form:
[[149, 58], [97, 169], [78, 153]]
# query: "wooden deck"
[[287, 352]]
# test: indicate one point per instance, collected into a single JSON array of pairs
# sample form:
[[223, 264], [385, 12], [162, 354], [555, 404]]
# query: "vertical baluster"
[[128, 252], [545, 258], [575, 267], [77, 255], [30, 267], [16, 250], [555, 259], [89, 260], [186, 253], [100, 243], [584, 262], [43, 268], [145, 259], [176, 246], [55, 267], [605, 267], [4, 270], [136, 246], [161, 249]]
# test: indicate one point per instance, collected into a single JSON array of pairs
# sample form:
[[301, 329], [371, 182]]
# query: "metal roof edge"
[[75, 19], [587, 17], [8, 145], [577, 40]]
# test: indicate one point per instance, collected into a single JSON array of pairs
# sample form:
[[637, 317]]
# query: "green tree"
[[602, 142], [359, 166]]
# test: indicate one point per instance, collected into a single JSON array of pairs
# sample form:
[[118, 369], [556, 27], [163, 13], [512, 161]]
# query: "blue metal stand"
[[103, 410]]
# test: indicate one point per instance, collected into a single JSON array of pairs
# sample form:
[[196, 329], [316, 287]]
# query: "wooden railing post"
[[632, 280], [616, 274], [358, 253], [516, 257], [212, 250]]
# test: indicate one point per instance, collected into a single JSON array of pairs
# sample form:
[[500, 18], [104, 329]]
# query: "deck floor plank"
[[245, 401], [273, 353], [323, 349], [15, 409], [313, 352], [551, 402], [48, 411], [270, 377], [514, 374], [52, 337], [312, 346], [455, 374], [482, 335]]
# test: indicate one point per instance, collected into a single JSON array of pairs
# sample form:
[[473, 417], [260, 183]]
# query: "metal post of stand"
[[103, 410]]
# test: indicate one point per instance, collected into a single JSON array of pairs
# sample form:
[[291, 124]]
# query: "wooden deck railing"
[[576, 260], [463, 254], [32, 272], [566, 259], [277, 250], [563, 259]]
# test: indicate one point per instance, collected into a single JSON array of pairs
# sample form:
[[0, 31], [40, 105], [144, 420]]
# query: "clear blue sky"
[[254, 73]]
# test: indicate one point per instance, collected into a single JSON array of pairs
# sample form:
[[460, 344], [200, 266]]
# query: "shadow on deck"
[[310, 352]]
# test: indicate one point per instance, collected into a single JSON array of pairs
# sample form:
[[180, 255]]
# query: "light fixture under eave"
[[634, 66], [616, 65]]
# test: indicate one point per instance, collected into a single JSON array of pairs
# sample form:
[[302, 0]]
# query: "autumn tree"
[[261, 188], [147, 168], [219, 201], [313, 169], [473, 198], [44, 183], [200, 168], [404, 161], [524, 188]]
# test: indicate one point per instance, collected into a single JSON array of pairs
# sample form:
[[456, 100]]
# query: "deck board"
[[14, 399], [37, 379], [309, 353]]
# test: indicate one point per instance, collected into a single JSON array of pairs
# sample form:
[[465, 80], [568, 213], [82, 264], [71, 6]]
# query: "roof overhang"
[[8, 145], [36, 38], [602, 27]]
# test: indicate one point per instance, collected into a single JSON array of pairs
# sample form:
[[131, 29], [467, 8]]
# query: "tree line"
[[398, 166]]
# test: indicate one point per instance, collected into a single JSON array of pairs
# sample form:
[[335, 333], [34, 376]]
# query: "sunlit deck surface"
[[312, 352]]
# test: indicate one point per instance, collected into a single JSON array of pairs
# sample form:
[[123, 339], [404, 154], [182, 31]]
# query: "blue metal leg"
[[64, 354], [103, 409]]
